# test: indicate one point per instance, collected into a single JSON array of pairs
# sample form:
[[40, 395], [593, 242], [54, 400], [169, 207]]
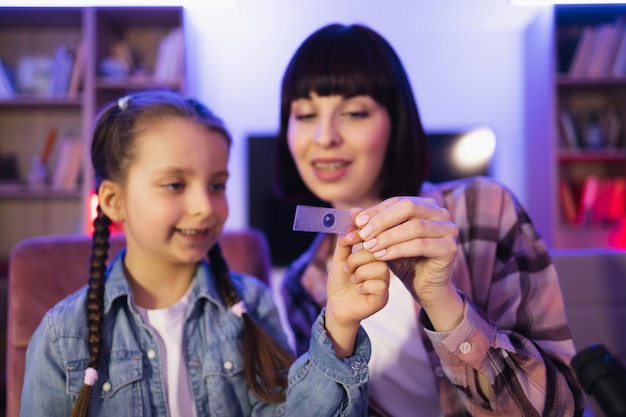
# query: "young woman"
[[475, 323], [164, 331]]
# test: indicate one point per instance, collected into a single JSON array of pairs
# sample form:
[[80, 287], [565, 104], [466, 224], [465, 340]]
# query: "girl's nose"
[[199, 203]]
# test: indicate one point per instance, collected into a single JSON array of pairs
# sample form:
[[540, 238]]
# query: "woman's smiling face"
[[339, 146]]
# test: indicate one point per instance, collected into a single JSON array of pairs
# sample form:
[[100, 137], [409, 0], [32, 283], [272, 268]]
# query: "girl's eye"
[[219, 186], [174, 186]]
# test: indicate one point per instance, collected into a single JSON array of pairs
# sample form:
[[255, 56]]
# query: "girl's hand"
[[357, 287], [417, 239]]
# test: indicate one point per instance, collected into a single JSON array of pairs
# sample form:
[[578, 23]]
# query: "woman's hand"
[[357, 287], [417, 239]]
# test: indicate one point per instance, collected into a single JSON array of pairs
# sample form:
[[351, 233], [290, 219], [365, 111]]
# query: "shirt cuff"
[[467, 345], [348, 371]]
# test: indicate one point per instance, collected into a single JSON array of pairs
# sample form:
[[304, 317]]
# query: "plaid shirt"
[[514, 322]]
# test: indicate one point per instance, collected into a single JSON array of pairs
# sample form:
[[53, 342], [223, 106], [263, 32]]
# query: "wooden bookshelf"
[[27, 117], [595, 102]]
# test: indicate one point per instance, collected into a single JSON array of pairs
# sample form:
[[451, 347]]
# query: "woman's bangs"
[[328, 74]]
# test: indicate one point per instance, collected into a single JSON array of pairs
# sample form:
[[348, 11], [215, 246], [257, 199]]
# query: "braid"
[[266, 362], [94, 306]]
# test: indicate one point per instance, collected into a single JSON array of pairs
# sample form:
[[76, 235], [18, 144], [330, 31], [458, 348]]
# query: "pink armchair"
[[43, 270]]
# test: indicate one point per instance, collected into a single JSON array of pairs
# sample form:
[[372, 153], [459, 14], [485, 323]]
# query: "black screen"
[[274, 216]]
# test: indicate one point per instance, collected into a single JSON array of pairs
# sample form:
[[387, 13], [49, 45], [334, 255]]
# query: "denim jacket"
[[130, 376]]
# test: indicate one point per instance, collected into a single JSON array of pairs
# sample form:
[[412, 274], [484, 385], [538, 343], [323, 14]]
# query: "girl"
[[163, 332], [475, 324]]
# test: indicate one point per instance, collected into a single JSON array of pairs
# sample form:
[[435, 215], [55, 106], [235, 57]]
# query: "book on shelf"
[[580, 60], [602, 200], [169, 66], [594, 127], [616, 204], [49, 144], [600, 51], [611, 127], [567, 130], [61, 72], [618, 68], [78, 71], [67, 167], [7, 89], [606, 41], [568, 202], [588, 197]]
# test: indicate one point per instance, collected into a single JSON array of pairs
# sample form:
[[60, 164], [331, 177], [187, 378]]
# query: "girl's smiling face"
[[339, 146], [174, 201]]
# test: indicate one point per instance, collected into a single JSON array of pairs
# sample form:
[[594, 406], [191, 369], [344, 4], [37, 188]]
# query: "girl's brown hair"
[[112, 152]]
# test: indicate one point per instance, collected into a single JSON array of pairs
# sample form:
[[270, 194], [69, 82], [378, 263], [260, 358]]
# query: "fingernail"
[[366, 231], [370, 243], [362, 220], [380, 253]]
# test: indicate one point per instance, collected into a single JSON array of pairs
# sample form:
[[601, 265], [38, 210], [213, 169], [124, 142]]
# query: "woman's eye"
[[357, 114], [304, 116]]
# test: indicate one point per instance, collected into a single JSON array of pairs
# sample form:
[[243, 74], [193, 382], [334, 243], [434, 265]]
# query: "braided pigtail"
[[95, 309], [265, 360]]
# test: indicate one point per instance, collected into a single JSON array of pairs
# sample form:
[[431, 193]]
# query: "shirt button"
[[355, 365], [465, 347], [151, 354], [106, 387], [228, 365]]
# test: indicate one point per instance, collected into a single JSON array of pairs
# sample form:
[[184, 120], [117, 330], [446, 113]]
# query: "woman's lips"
[[330, 170]]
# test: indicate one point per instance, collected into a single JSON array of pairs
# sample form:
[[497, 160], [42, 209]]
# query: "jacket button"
[[465, 347], [355, 365], [151, 354], [106, 387], [228, 365]]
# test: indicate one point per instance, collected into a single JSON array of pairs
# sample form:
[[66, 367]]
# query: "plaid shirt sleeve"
[[515, 330]]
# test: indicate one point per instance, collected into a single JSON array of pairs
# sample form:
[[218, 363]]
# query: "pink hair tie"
[[91, 376], [239, 308]]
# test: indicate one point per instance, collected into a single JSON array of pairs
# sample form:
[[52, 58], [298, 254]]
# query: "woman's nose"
[[327, 134]]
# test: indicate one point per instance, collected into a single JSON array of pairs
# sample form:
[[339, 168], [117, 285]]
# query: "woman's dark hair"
[[113, 150], [352, 60]]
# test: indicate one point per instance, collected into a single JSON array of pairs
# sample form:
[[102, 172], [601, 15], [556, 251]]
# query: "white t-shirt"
[[401, 378], [168, 325]]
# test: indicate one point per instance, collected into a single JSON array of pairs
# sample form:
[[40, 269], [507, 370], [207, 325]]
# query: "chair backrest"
[[45, 269], [593, 282]]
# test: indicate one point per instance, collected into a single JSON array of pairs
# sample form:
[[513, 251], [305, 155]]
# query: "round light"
[[474, 149]]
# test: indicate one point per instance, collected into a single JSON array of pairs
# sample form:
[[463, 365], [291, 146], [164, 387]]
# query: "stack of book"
[[600, 52], [596, 201]]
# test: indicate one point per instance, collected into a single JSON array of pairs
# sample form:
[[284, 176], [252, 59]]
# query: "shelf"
[[584, 235], [136, 83], [19, 191], [590, 108], [28, 117], [567, 81], [587, 155], [35, 101]]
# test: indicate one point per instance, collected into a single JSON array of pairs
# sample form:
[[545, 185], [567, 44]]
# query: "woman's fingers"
[[405, 227]]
